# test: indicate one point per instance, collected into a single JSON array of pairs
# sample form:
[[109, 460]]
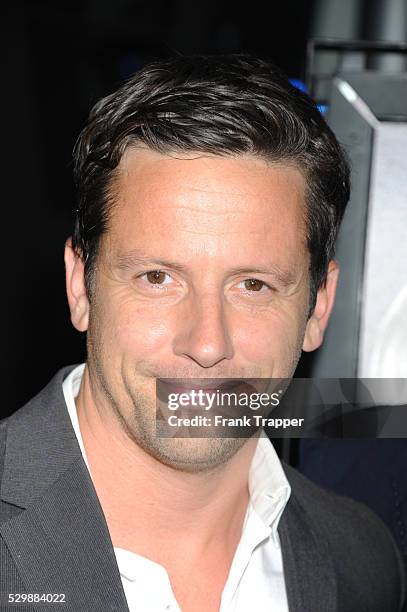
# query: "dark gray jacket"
[[337, 555]]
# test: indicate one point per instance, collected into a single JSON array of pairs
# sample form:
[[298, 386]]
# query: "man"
[[210, 195]]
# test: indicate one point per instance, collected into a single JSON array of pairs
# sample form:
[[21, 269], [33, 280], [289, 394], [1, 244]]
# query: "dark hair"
[[222, 105]]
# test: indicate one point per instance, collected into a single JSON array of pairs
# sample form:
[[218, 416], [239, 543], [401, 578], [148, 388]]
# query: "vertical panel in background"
[[340, 19], [376, 149], [383, 334], [386, 20], [368, 113]]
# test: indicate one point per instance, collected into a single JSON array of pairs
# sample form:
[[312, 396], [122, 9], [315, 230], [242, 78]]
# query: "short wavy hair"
[[221, 105]]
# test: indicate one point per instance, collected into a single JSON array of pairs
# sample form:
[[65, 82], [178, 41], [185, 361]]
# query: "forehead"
[[142, 169], [204, 202]]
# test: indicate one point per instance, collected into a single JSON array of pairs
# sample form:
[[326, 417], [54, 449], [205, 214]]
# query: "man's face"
[[202, 273]]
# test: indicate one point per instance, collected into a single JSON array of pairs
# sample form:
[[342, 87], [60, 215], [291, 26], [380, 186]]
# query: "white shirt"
[[256, 577]]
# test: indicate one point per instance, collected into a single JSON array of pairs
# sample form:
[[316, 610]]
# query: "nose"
[[203, 334]]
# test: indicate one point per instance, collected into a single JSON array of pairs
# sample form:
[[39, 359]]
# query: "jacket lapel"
[[60, 542], [308, 570]]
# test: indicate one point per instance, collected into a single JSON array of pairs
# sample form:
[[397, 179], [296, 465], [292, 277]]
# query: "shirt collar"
[[70, 388], [269, 488]]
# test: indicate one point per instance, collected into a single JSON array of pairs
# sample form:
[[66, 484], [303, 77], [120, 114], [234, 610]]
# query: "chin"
[[192, 454]]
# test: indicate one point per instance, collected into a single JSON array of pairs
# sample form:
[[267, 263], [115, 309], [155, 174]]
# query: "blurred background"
[[59, 58]]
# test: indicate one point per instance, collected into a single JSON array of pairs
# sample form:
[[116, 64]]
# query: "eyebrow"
[[286, 278], [126, 261]]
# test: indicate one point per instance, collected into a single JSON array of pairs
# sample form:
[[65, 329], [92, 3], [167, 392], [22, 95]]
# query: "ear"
[[316, 324], [75, 288]]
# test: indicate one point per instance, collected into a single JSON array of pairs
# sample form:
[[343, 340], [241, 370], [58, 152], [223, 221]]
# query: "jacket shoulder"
[[6, 510], [361, 546], [17, 426], [3, 438]]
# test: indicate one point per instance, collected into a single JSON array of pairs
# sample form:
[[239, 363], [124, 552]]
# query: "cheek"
[[273, 338], [138, 330]]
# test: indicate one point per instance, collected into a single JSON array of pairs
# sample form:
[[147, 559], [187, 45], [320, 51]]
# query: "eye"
[[157, 277], [253, 284]]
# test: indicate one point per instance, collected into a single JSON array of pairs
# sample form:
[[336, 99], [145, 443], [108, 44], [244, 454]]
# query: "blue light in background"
[[302, 87], [299, 85]]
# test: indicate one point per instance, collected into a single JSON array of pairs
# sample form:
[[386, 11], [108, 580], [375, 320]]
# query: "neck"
[[154, 509]]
